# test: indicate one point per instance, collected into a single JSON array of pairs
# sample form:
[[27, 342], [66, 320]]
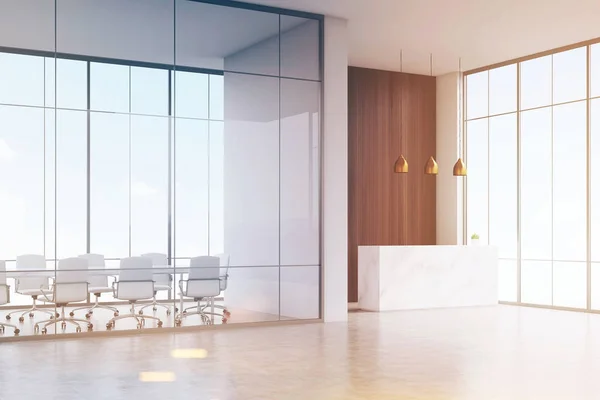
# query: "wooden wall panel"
[[389, 113]]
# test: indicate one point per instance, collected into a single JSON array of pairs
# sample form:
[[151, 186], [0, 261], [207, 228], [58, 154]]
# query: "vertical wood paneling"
[[389, 113]]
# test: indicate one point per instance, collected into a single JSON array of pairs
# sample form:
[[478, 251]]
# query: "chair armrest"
[[44, 293], [181, 291]]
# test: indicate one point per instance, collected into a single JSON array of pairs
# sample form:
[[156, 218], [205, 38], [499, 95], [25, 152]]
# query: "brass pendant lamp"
[[460, 169], [401, 165], [431, 167]]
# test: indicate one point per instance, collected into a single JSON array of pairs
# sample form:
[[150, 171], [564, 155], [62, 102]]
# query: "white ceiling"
[[482, 32]]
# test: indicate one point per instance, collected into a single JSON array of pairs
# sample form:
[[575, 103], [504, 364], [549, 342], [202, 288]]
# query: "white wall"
[[449, 190], [335, 172]]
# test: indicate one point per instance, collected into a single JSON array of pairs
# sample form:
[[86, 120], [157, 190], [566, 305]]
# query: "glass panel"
[[299, 188], [191, 95], [149, 91], [251, 174], [503, 89], [109, 87], [595, 282], [595, 178], [109, 184], [477, 180], [149, 184], [569, 189], [503, 184], [299, 48], [50, 183], [536, 184], [536, 282], [253, 46], [252, 294], [507, 280], [595, 70], [71, 84], [570, 71], [216, 97], [21, 181], [27, 24], [569, 284], [477, 95], [217, 187], [536, 82], [191, 188], [71, 183], [21, 80], [137, 31], [300, 292]]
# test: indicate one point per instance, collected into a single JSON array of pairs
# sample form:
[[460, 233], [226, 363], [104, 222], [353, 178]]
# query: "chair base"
[[90, 310], [225, 314], [32, 312], [63, 320], [140, 319], [200, 310], [154, 306], [4, 326]]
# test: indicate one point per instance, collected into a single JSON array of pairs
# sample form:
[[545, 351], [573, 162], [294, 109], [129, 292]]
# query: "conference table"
[[97, 271]]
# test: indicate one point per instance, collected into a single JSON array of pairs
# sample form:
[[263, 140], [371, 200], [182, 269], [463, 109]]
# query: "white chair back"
[[159, 260], [135, 269], [203, 279], [28, 262], [135, 279], [4, 293], [71, 284], [2, 272], [96, 261], [224, 270]]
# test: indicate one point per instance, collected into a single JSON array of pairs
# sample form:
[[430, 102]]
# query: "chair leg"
[[140, 319], [199, 311], [95, 306], [63, 320], [154, 306], [31, 311], [3, 326]]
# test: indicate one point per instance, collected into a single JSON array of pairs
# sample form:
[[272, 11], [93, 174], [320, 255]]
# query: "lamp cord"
[[460, 107]]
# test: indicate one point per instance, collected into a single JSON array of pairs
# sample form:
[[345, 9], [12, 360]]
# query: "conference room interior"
[[163, 173]]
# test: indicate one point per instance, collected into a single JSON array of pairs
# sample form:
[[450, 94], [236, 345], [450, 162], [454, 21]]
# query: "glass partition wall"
[[532, 131], [160, 152]]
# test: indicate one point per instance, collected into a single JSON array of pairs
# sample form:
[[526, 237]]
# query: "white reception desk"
[[421, 277]]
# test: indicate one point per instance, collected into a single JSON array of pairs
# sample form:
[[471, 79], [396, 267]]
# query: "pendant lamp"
[[401, 165], [431, 167], [460, 169]]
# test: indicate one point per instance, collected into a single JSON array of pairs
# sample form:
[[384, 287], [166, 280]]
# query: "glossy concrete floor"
[[500, 352]]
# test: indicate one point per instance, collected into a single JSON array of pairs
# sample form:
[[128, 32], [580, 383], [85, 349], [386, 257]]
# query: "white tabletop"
[[95, 271]]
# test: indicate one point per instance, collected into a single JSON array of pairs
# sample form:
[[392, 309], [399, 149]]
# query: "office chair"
[[31, 285], [70, 286], [161, 281], [5, 296], [135, 283], [203, 283], [223, 278], [98, 285]]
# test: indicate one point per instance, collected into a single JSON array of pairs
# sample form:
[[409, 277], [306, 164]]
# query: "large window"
[[533, 184]]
